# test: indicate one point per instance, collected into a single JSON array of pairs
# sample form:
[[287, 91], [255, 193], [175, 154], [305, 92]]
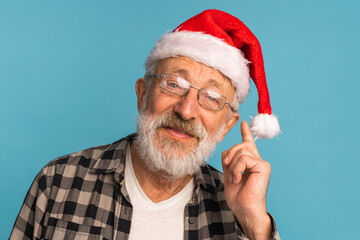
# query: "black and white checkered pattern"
[[83, 196]]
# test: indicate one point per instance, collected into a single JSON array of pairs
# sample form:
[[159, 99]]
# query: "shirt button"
[[191, 220]]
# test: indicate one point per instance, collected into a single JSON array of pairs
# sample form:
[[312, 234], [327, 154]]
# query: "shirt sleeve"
[[274, 234], [28, 222]]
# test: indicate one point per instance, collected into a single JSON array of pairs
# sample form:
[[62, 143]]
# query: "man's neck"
[[156, 185]]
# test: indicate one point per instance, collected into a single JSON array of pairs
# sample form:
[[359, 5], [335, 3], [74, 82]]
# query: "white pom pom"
[[265, 126]]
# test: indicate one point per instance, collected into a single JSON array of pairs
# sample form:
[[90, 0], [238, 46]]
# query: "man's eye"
[[172, 85], [212, 99]]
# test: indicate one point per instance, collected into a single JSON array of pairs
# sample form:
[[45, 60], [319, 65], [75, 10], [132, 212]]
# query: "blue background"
[[67, 74]]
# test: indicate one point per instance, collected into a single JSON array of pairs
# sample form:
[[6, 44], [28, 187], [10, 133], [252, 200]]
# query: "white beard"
[[167, 156]]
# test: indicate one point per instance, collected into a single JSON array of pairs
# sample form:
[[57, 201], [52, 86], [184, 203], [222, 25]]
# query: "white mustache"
[[172, 120]]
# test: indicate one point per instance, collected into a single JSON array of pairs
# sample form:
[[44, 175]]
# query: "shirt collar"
[[209, 179], [113, 156]]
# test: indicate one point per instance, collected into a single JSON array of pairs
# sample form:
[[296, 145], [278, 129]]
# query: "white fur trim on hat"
[[265, 126], [208, 50]]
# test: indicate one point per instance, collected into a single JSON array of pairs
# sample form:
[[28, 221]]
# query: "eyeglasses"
[[181, 87]]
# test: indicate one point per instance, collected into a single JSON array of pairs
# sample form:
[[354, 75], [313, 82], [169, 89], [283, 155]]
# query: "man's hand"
[[246, 178]]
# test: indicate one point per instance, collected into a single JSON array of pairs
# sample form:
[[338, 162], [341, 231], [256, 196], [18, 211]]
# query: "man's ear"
[[140, 88], [230, 123]]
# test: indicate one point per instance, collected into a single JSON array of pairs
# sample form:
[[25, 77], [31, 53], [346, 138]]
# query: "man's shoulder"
[[215, 173], [90, 157]]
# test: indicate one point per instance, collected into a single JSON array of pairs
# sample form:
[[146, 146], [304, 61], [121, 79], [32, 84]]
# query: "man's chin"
[[174, 169]]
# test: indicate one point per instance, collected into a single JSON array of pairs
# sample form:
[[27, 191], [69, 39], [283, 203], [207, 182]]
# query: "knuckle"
[[234, 150], [267, 165], [239, 167], [243, 158]]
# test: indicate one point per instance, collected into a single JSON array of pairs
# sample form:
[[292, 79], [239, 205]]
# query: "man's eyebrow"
[[216, 84], [210, 82]]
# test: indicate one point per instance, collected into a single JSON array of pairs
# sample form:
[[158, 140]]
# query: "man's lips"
[[177, 133]]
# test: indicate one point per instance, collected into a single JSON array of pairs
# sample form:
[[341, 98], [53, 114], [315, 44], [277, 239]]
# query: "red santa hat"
[[220, 40]]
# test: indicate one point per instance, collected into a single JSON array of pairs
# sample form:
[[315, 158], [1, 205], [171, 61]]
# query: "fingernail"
[[226, 160]]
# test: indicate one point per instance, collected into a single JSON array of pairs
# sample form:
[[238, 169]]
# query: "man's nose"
[[188, 107]]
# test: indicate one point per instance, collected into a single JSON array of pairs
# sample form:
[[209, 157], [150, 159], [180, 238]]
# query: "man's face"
[[185, 112]]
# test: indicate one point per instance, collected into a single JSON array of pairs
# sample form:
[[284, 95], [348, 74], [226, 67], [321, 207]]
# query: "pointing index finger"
[[245, 132]]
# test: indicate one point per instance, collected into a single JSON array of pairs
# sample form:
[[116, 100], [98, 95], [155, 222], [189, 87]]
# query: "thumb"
[[245, 132]]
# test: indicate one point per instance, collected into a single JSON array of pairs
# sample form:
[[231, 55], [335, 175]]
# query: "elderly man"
[[155, 184]]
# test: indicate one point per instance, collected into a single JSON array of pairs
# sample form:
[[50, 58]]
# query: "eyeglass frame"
[[188, 90]]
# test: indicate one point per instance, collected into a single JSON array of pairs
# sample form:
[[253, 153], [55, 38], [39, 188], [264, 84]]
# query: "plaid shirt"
[[83, 196]]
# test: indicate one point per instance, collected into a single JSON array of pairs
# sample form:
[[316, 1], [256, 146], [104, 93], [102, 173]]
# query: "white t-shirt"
[[162, 220]]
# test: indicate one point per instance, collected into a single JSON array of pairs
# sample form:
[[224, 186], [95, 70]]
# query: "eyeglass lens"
[[179, 86]]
